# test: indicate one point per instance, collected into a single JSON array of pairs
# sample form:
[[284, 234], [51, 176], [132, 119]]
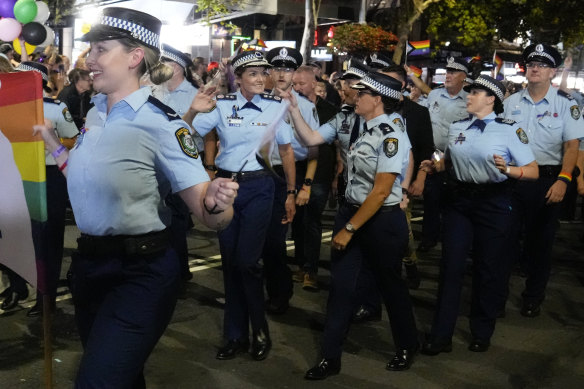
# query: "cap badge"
[[258, 54], [373, 57], [539, 48], [284, 52], [451, 60]]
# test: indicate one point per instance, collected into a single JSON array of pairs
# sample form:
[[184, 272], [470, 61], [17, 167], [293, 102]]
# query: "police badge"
[[186, 143], [522, 136], [67, 115], [575, 112], [390, 147]]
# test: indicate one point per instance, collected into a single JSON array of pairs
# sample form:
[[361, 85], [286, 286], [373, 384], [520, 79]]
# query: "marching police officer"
[[476, 213], [553, 122], [446, 105], [242, 119], [370, 226], [285, 61], [125, 276]]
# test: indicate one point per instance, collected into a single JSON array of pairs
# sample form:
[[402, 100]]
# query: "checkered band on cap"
[[452, 64], [173, 57], [539, 52], [490, 86], [284, 57], [252, 59], [356, 71], [28, 68], [138, 32], [380, 88]]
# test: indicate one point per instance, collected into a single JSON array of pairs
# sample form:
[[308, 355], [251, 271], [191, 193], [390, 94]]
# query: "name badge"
[[234, 122], [258, 124], [516, 112], [344, 128]]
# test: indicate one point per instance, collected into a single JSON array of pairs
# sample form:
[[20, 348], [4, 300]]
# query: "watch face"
[[349, 227], [308, 182]]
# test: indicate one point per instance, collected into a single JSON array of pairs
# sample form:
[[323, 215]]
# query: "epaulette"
[[463, 120], [505, 121], [226, 97], [565, 94], [51, 100], [268, 91], [266, 96], [169, 112], [304, 97]]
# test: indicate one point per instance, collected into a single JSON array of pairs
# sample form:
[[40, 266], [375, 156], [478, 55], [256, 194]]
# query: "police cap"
[[380, 60], [172, 54], [356, 69], [381, 84], [457, 64], [490, 84], [248, 59], [29, 66], [543, 53], [284, 57]]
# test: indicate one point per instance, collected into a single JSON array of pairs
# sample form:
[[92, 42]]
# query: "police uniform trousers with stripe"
[[381, 242], [123, 304], [241, 245], [540, 223], [477, 217]]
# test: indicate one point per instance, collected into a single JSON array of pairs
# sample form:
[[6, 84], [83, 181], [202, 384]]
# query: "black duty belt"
[[549, 170], [127, 245], [383, 208], [469, 189], [242, 176]]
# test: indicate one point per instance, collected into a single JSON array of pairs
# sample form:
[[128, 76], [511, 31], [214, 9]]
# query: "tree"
[[311, 10]]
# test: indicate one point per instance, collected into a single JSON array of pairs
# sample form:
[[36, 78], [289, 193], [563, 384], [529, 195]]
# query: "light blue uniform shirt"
[[548, 124], [308, 112], [340, 127], [121, 169], [445, 110], [179, 100], [471, 150], [241, 130], [58, 113], [382, 148]]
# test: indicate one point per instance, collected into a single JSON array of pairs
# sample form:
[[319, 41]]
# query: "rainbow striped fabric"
[[418, 47]]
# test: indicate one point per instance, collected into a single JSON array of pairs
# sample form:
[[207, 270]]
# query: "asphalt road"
[[543, 352]]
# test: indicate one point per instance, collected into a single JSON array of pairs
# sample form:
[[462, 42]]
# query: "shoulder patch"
[[399, 124], [226, 97], [166, 110], [266, 96], [386, 128], [186, 143], [390, 146], [51, 100], [506, 121], [565, 94], [575, 112], [315, 114], [522, 136], [67, 115]]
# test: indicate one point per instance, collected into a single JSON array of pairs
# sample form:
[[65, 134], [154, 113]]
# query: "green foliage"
[[217, 8], [362, 39]]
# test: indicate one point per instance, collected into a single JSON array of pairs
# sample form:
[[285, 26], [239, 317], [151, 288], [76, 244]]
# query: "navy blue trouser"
[[381, 242], [433, 193], [179, 226], [241, 245], [481, 222], [540, 221], [122, 307]]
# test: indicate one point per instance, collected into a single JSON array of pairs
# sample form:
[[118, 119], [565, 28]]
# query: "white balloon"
[[42, 12], [50, 37]]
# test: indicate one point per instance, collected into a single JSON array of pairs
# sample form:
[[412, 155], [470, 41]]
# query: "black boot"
[[261, 344]]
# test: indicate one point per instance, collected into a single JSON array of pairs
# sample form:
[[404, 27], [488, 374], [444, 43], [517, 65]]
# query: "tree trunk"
[[405, 28], [309, 26]]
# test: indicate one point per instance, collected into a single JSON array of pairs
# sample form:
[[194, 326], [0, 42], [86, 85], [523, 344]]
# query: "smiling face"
[[252, 80]]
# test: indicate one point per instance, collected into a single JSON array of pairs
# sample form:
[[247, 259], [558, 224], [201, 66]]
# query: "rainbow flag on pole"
[[416, 70], [418, 47], [497, 62], [23, 207]]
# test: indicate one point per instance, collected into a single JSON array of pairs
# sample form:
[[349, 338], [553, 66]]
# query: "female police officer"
[[125, 277], [242, 120], [478, 212], [370, 225]]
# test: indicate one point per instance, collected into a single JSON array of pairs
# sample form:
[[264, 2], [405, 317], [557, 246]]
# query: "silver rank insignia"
[[522, 136], [390, 146], [186, 143]]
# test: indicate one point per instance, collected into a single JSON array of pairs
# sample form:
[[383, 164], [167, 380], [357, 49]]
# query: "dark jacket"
[[78, 104], [325, 169], [419, 129]]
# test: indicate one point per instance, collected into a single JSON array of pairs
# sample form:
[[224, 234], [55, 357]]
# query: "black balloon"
[[34, 33]]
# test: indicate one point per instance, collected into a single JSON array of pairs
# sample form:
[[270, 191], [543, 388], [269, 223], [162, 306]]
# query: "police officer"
[[380, 60], [553, 123], [241, 120], [58, 113], [370, 226], [446, 105], [476, 213], [125, 275], [285, 61]]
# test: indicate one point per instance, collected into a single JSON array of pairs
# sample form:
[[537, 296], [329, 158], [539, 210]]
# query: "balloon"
[[50, 37], [18, 49], [85, 28], [7, 8], [34, 33], [25, 11], [9, 29], [42, 12]]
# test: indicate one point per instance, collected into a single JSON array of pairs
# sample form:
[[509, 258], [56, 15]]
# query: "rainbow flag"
[[418, 48], [416, 70], [497, 62], [23, 208]]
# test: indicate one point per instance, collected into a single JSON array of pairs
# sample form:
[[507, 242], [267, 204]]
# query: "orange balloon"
[[18, 49]]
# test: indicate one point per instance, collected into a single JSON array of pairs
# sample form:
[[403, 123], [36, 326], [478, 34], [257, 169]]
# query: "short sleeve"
[[204, 122], [178, 157], [65, 126], [518, 144], [284, 133], [393, 153], [328, 130], [574, 124]]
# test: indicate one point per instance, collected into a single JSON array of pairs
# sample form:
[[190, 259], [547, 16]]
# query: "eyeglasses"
[[365, 92], [541, 65], [284, 70]]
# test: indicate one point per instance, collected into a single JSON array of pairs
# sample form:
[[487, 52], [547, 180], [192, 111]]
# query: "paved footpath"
[[543, 352]]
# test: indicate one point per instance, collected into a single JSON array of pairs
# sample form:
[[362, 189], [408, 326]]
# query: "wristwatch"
[[349, 227], [308, 181], [292, 192]]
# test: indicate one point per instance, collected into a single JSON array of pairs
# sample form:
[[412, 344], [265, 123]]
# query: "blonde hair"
[[157, 71]]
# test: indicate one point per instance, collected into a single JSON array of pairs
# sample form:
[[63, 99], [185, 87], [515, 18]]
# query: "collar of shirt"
[[134, 100], [487, 119], [256, 100], [460, 95], [184, 86], [548, 98], [376, 121]]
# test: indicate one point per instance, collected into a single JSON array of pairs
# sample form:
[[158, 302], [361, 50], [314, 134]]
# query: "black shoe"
[[402, 359], [276, 308], [261, 345], [12, 300], [424, 247], [530, 309], [325, 368], [5, 293], [412, 276], [479, 346], [363, 314], [232, 348], [434, 346], [36, 310]]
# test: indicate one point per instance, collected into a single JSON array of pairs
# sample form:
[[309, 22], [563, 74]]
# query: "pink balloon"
[[9, 29]]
